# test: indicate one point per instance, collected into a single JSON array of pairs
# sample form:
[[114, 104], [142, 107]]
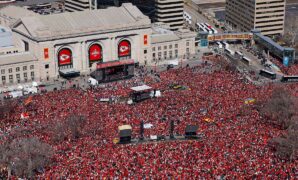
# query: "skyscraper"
[[170, 12], [265, 15], [80, 5]]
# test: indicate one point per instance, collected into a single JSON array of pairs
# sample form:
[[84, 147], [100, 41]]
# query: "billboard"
[[145, 39], [95, 52], [64, 57], [124, 48], [46, 53]]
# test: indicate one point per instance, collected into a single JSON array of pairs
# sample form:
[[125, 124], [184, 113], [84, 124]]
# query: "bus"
[[239, 53], [226, 45], [209, 30], [267, 74], [219, 44], [289, 79], [203, 25], [246, 60], [230, 52], [208, 25], [214, 30]]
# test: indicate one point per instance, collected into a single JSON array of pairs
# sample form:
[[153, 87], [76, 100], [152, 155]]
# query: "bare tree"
[[291, 30], [22, 157], [71, 128], [279, 109]]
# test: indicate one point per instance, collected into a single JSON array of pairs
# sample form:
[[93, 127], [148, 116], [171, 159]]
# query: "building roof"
[[72, 24], [140, 88], [16, 12], [161, 34], [16, 58]]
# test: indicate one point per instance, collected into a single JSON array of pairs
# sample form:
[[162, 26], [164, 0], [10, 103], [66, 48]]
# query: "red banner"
[[124, 48], [95, 52], [145, 39], [115, 63], [64, 56], [46, 53]]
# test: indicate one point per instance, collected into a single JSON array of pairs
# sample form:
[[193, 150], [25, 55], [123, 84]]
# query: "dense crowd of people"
[[233, 143]]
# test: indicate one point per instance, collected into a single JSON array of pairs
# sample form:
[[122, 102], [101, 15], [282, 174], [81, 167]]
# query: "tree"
[[23, 157], [279, 109], [291, 30], [72, 128]]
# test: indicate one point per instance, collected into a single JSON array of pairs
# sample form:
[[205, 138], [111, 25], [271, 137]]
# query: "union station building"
[[92, 41]]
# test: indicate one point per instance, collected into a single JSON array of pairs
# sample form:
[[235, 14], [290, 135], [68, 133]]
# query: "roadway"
[[196, 17]]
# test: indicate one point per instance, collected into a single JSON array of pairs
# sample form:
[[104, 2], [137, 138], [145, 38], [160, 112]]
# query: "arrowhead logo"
[[123, 48], [64, 57]]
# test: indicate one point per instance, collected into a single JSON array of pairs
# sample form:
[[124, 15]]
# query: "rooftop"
[[72, 24], [15, 12], [16, 58]]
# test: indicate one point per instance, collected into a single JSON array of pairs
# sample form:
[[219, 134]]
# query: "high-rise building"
[[265, 15], [170, 12], [80, 5]]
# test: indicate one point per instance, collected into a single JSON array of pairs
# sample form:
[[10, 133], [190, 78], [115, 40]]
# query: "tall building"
[[80, 5], [170, 12], [265, 15]]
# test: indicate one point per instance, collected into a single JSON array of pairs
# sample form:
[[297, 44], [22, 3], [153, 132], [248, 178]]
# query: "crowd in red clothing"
[[234, 143], [291, 70]]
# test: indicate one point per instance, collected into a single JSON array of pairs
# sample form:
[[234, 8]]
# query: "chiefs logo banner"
[[46, 53], [64, 57], [95, 52], [124, 48], [145, 39]]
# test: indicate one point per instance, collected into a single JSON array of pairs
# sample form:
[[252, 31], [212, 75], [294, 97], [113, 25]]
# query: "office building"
[[59, 45], [265, 15], [170, 12], [79, 5]]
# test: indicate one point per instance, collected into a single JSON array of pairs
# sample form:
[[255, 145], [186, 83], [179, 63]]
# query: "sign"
[[95, 52], [124, 48], [64, 57], [115, 63], [286, 61], [46, 53], [145, 39]]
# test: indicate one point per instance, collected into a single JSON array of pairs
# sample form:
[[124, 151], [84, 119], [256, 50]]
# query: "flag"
[[28, 100], [208, 120]]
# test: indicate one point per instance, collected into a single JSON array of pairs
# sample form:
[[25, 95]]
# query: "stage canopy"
[[140, 88]]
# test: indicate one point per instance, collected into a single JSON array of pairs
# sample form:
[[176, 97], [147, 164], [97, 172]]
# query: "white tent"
[[140, 88], [34, 84], [174, 62]]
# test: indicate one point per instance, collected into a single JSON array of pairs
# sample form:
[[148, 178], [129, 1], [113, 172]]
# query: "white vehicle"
[[209, 30], [214, 30], [239, 53], [15, 94], [226, 45], [92, 82], [219, 45], [246, 60], [30, 90], [229, 51], [186, 15]]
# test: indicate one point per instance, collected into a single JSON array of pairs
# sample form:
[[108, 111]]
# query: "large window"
[[65, 57], [95, 53], [124, 50]]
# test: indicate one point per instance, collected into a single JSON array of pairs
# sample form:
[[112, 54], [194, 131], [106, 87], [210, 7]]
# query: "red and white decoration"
[[124, 48], [95, 52], [64, 57]]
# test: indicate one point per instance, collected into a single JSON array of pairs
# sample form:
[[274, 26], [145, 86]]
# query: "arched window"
[[95, 53], [65, 57], [124, 49]]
